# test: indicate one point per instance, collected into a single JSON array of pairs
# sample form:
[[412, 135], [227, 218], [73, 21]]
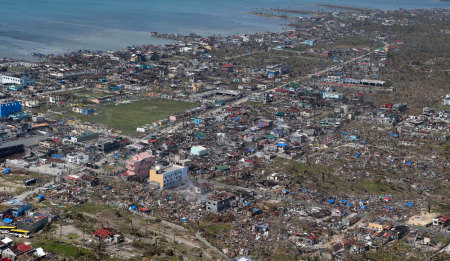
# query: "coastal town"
[[326, 141]]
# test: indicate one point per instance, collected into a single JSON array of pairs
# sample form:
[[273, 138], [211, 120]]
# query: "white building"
[[332, 95], [24, 80], [446, 100], [31, 103], [78, 158], [198, 150]]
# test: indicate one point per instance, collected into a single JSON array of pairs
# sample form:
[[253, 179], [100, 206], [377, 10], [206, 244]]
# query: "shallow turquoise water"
[[56, 26]]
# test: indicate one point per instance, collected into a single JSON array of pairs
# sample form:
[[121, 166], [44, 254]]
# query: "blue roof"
[[7, 220]]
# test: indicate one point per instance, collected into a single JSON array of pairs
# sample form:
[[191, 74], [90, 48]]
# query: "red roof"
[[102, 233], [444, 218], [228, 65], [24, 247]]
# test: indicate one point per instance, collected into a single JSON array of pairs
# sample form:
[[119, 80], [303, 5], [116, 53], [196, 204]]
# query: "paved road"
[[62, 90], [35, 190], [241, 55]]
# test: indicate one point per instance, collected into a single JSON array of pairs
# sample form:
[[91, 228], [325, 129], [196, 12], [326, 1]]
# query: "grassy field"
[[127, 117], [64, 249]]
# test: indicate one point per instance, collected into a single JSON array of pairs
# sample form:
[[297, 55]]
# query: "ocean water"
[[58, 26]]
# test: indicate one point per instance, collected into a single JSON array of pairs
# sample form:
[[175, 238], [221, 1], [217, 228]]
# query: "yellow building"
[[379, 224], [168, 176]]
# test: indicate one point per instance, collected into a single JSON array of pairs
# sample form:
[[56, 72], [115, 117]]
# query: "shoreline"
[[264, 12], [347, 8]]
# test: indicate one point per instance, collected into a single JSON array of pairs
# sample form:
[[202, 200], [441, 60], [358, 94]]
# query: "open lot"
[[126, 117], [14, 183]]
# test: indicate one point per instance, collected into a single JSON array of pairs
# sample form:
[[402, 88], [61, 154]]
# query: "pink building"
[[139, 165]]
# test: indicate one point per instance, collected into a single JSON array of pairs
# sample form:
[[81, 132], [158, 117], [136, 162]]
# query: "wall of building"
[[7, 109], [140, 165], [26, 142], [33, 227], [25, 81], [170, 178]]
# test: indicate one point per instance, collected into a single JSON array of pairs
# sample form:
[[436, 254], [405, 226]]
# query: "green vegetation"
[[90, 208], [73, 236], [314, 176], [439, 106], [400, 250], [218, 228], [126, 117], [375, 187], [418, 70], [64, 249], [17, 68], [298, 64], [441, 208], [354, 42]]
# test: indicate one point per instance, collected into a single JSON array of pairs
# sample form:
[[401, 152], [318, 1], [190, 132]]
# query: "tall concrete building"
[[169, 176], [139, 165]]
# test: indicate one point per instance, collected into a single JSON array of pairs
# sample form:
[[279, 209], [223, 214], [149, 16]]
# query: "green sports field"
[[128, 116]]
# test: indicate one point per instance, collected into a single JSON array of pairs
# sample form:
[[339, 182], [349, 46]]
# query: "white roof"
[[40, 252], [7, 240], [199, 147]]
